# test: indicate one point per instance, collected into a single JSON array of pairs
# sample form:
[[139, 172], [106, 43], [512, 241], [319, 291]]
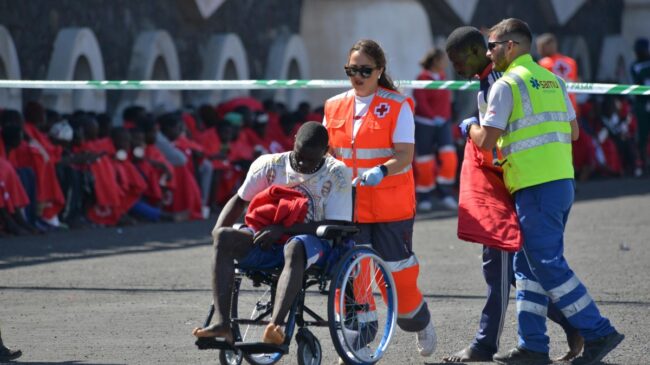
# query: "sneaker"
[[521, 356], [425, 206], [596, 350], [8, 355], [427, 340], [450, 202]]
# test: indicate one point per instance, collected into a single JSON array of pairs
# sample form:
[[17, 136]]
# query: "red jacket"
[[276, 205], [432, 103], [486, 211]]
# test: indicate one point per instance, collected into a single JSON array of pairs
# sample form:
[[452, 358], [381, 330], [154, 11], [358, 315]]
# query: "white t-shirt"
[[404, 129], [499, 105], [328, 190]]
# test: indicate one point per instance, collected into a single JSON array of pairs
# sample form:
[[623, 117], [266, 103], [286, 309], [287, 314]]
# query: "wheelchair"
[[361, 308]]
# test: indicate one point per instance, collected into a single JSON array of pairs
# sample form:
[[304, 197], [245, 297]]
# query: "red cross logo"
[[561, 68], [381, 110]]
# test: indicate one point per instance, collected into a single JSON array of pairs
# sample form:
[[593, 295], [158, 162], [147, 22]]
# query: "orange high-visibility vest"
[[394, 198]]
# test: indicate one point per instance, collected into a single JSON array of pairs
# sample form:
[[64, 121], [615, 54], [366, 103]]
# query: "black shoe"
[[595, 350], [521, 356], [8, 355]]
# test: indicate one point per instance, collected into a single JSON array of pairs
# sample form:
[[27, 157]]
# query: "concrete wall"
[[330, 28]]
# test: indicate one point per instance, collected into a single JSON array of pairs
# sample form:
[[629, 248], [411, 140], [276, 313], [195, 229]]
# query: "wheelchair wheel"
[[229, 357], [252, 304], [361, 306], [309, 352]]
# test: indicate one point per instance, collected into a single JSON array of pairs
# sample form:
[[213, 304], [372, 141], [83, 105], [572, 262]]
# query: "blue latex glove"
[[466, 124], [371, 177]]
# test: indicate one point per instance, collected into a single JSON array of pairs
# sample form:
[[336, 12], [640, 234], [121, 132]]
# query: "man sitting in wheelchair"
[[325, 184]]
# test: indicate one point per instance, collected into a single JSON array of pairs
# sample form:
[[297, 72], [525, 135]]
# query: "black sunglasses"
[[364, 71], [492, 45]]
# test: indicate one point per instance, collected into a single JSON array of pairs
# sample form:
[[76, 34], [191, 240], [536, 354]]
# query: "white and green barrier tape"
[[577, 87]]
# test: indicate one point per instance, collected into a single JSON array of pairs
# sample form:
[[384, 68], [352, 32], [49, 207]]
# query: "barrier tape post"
[[572, 87]]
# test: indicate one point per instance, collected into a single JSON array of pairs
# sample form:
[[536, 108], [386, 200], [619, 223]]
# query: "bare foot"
[[215, 330], [273, 334], [467, 355], [575, 342]]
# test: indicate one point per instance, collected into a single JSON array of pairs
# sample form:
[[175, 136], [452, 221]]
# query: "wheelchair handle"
[[331, 231]]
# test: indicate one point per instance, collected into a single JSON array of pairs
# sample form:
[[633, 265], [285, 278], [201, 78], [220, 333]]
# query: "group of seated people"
[[607, 146], [68, 171]]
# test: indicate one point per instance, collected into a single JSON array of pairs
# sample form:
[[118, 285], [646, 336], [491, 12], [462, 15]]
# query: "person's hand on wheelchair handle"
[[267, 236], [466, 124], [371, 177]]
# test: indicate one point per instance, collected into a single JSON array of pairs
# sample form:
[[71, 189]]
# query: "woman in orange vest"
[[371, 129]]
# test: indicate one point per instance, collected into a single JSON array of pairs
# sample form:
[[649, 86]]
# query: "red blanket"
[[12, 193], [276, 205], [486, 212]]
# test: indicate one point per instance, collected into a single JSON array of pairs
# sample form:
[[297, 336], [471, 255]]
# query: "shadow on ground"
[[99, 242]]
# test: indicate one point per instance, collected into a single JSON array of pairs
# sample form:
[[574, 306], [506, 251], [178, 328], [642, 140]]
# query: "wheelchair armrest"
[[239, 225], [336, 231]]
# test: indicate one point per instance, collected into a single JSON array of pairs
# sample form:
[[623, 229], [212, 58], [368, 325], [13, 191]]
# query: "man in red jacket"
[[318, 183]]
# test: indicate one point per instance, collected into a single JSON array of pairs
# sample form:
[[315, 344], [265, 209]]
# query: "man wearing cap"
[[640, 72]]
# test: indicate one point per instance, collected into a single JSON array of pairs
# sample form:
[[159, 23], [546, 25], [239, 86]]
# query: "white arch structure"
[[9, 69], [77, 56], [615, 59], [401, 27], [224, 59], [154, 57], [288, 59]]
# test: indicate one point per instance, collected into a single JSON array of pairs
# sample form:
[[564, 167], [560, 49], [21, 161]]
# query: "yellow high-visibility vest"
[[536, 144]]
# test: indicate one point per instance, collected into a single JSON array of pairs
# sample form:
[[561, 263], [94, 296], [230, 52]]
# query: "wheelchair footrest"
[[207, 343], [261, 348]]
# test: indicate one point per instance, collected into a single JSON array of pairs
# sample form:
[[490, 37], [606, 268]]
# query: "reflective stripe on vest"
[[530, 119], [394, 198], [536, 144]]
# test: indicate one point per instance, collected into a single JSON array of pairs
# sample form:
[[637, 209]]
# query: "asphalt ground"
[[132, 295]]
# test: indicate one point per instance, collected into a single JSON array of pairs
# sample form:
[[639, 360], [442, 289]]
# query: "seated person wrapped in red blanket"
[[291, 194]]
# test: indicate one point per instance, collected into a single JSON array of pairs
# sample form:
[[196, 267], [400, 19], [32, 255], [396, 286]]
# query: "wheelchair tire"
[[362, 333], [251, 333], [309, 353], [229, 357]]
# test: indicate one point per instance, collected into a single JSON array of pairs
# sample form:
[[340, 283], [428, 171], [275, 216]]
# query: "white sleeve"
[[405, 128], [324, 121], [339, 202], [499, 106], [255, 180]]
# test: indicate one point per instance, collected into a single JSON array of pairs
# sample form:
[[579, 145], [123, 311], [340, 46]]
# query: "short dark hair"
[[463, 38], [312, 134], [513, 26]]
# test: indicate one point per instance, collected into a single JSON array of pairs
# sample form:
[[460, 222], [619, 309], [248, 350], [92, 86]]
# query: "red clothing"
[[276, 205], [12, 193], [187, 195], [131, 183], [108, 195], [486, 211], [432, 103], [48, 190], [53, 151], [280, 142], [211, 144], [154, 176], [254, 141]]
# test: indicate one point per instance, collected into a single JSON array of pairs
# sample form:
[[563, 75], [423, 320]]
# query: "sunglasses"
[[363, 71], [492, 45]]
